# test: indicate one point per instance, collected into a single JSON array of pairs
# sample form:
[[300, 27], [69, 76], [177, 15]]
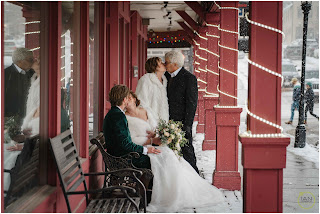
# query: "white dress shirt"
[[176, 72], [145, 150], [19, 69]]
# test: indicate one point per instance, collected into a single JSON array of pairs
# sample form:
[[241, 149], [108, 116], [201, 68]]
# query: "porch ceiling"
[[152, 10]]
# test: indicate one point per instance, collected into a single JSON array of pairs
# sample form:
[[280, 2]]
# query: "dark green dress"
[[118, 139]]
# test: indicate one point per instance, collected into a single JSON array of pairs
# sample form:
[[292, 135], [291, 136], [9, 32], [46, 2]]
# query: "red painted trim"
[[265, 99], [84, 79], [114, 44], [196, 7], [102, 62], [188, 19], [228, 58], [54, 85], [2, 102], [186, 29]]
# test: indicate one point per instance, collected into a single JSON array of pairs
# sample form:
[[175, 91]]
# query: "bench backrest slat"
[[68, 164]]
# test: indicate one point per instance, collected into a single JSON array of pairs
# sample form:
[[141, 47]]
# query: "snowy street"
[[301, 174]]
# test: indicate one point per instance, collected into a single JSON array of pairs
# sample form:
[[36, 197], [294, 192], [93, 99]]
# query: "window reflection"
[[22, 98], [66, 68]]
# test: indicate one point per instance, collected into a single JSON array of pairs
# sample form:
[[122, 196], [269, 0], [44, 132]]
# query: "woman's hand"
[[153, 150], [151, 134], [156, 141], [17, 147]]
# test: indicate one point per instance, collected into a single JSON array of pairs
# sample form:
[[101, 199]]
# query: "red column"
[[211, 98], [202, 77], [84, 79], [226, 174], [136, 31], [263, 158], [113, 40], [196, 63], [101, 60]]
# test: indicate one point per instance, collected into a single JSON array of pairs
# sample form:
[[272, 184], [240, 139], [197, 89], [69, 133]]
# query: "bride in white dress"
[[176, 185], [30, 124]]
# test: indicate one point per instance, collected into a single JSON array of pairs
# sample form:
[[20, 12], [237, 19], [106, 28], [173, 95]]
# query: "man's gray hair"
[[175, 57], [20, 54]]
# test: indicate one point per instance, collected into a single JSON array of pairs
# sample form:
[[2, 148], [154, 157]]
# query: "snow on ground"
[[309, 152]]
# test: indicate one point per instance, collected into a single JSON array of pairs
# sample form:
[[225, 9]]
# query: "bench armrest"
[[130, 170]]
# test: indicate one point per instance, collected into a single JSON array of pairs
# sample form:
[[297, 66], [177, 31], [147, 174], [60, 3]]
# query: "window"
[[92, 74], [22, 98]]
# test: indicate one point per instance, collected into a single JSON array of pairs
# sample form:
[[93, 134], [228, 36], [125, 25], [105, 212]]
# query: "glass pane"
[[22, 98], [91, 71], [67, 88]]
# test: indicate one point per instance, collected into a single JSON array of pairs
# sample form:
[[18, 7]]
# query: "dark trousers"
[[189, 155], [310, 109]]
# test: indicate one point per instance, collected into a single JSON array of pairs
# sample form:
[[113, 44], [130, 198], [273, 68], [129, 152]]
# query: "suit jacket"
[[16, 91], [117, 134], [182, 93]]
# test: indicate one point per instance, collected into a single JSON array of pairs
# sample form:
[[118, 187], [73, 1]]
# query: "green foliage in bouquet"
[[12, 125], [171, 134]]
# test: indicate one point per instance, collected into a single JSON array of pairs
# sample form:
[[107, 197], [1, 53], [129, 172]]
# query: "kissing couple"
[[166, 91]]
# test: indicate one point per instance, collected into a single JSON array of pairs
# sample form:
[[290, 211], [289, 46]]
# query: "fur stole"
[[138, 128], [153, 94]]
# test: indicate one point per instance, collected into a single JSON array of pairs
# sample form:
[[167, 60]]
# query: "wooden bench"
[[24, 175], [124, 162], [71, 176]]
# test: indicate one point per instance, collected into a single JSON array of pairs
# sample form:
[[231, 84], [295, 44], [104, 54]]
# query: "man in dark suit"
[[116, 131], [17, 83], [182, 92]]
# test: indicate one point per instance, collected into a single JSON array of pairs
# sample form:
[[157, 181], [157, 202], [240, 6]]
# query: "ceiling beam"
[[188, 19], [196, 7], [186, 29]]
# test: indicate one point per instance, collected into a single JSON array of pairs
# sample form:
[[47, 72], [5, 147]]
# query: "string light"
[[201, 36], [227, 8], [215, 36], [226, 70], [226, 93], [200, 69], [263, 120], [264, 26], [204, 59], [209, 93], [197, 63], [225, 47], [37, 48], [197, 44], [196, 71], [200, 80], [248, 134], [210, 52], [34, 22], [219, 106], [34, 32], [211, 25], [212, 71], [265, 69]]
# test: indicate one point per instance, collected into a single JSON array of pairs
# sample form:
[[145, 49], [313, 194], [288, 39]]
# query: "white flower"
[[172, 136], [176, 152], [172, 126], [169, 140], [166, 134], [178, 146]]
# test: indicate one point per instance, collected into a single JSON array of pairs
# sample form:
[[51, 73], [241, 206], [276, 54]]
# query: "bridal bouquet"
[[171, 134]]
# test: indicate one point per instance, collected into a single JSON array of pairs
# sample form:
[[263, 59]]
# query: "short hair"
[[175, 57], [152, 64], [117, 94], [135, 97], [294, 80], [20, 54]]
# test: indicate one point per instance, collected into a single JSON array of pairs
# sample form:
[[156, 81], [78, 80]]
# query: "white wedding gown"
[[29, 122], [176, 185]]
